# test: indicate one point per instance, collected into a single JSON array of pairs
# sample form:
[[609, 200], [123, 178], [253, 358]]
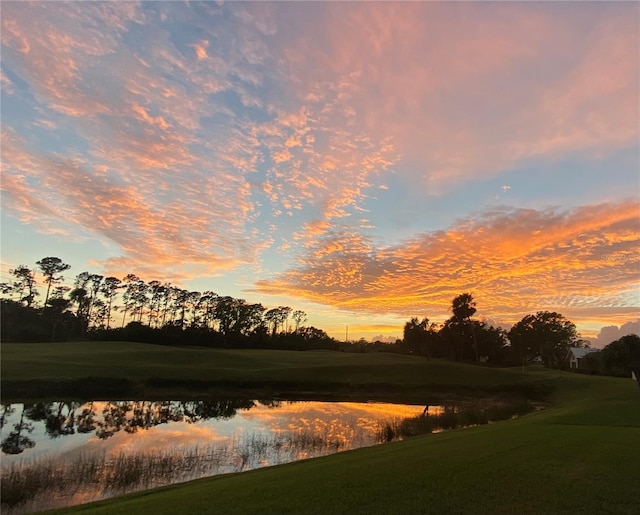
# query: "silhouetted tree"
[[623, 356], [545, 335], [51, 268], [247, 317], [128, 297], [79, 296], [57, 308], [492, 342], [277, 317], [193, 301], [95, 281], [155, 297], [139, 296], [25, 284], [225, 313], [299, 317], [418, 336], [206, 307], [109, 289], [464, 307], [181, 298]]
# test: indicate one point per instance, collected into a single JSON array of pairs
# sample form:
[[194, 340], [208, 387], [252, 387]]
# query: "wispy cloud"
[[467, 92], [202, 137], [512, 260]]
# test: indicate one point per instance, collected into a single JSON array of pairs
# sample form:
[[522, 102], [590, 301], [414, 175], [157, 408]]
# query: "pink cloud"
[[467, 91]]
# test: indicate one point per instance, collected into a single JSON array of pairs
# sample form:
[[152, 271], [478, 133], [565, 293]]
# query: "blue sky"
[[362, 161]]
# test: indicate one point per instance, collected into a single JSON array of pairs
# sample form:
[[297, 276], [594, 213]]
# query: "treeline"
[[544, 337], [108, 308], [130, 309]]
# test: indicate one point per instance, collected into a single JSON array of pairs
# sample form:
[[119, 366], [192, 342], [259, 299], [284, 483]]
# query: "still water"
[[99, 449]]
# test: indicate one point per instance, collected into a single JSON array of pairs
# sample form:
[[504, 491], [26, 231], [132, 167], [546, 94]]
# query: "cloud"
[[152, 236], [514, 261], [277, 125], [147, 180], [467, 93], [611, 333], [201, 49], [165, 161], [384, 339]]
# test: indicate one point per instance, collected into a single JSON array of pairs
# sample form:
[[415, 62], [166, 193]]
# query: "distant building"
[[577, 354]]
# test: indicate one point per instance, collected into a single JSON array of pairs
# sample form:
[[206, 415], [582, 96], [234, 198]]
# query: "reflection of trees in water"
[[58, 417], [7, 411], [130, 416], [17, 440], [66, 418]]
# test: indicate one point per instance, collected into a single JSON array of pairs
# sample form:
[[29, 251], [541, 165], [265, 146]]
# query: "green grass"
[[138, 360], [155, 366], [580, 456]]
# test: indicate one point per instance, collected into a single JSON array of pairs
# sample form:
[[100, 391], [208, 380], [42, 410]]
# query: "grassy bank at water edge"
[[580, 456], [121, 369]]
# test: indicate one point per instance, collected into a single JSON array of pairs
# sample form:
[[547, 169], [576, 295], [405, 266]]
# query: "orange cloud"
[[306, 110], [152, 236], [513, 261], [201, 49], [143, 115]]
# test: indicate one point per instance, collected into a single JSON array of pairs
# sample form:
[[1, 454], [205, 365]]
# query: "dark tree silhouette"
[[109, 289], [128, 297], [277, 317], [25, 284], [464, 307], [51, 268], [546, 335], [623, 356], [95, 281], [299, 317], [417, 335]]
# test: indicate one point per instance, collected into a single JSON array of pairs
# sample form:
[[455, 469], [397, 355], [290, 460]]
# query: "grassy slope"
[[137, 361], [581, 456]]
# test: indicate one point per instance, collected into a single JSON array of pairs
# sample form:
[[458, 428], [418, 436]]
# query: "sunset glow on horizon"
[[364, 162]]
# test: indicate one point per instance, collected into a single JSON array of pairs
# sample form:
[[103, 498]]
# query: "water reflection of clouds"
[[350, 424], [155, 439], [343, 421]]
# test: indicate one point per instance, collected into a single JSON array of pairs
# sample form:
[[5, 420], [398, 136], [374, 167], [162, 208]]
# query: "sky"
[[365, 162]]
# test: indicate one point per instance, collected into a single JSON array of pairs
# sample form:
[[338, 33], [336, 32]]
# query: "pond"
[[64, 453]]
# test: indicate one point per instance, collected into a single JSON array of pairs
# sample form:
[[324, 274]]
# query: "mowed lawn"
[[139, 361], [581, 456]]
